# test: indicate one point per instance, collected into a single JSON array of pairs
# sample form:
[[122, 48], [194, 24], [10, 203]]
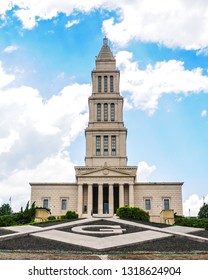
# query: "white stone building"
[[106, 182]]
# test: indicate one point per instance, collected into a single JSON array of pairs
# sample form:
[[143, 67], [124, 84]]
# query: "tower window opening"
[[105, 145], [111, 84], [99, 83], [113, 145], [99, 112], [105, 83], [97, 145], [112, 112], [105, 112]]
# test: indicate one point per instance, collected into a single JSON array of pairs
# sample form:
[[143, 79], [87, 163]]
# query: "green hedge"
[[132, 213], [192, 222], [71, 215]]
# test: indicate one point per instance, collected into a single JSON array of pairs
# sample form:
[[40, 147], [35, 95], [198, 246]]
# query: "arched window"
[[112, 112], [105, 112], [98, 112]]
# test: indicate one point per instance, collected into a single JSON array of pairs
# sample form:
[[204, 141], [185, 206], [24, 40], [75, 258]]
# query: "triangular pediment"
[[105, 171]]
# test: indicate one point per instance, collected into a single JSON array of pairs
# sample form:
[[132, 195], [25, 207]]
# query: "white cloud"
[[146, 86], [35, 136], [204, 113], [11, 49], [172, 23], [5, 79], [193, 204], [57, 168], [71, 23], [7, 142], [144, 171], [31, 12]]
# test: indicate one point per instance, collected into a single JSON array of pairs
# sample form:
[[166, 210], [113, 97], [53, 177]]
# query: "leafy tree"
[[5, 209], [203, 212]]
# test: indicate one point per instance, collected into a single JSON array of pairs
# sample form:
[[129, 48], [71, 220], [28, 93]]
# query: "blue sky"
[[47, 53]]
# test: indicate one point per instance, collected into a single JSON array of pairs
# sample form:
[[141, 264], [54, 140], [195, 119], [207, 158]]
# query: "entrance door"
[[105, 199], [95, 200]]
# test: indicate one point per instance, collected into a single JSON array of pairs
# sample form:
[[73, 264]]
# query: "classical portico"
[[102, 190]]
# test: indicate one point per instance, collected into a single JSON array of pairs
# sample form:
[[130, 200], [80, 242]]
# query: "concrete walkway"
[[150, 233]]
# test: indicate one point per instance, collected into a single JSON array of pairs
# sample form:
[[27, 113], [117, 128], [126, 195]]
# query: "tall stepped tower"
[[105, 182]]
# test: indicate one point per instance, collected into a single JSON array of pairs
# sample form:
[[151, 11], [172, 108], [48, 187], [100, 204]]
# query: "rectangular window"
[[111, 84], [147, 204], [63, 204], [99, 112], [45, 203], [105, 145], [112, 112], [113, 145], [99, 83], [105, 83], [166, 204], [105, 112], [97, 145]]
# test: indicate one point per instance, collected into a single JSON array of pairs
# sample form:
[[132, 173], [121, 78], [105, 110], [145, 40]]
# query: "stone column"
[[111, 199], [131, 195], [80, 200], [121, 195], [100, 199], [89, 200]]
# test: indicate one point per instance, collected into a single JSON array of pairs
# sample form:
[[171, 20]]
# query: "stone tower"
[[105, 134], [105, 182]]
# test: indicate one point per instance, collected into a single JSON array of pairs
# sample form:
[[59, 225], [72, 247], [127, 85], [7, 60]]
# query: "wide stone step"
[[101, 216]]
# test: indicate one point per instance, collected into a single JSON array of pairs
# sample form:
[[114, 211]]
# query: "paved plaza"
[[148, 233]]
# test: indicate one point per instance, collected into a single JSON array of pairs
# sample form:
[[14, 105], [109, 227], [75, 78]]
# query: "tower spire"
[[105, 41]]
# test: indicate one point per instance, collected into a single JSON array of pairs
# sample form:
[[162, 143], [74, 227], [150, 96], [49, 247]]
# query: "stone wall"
[[55, 193], [157, 192]]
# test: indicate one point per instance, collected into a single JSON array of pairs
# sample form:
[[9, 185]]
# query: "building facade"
[[106, 182]]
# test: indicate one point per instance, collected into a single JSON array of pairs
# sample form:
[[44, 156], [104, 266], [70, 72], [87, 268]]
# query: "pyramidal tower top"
[[105, 58]]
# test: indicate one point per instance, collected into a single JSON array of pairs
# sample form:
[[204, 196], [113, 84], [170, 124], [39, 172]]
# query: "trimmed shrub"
[[51, 218], [71, 215], [132, 213], [192, 222]]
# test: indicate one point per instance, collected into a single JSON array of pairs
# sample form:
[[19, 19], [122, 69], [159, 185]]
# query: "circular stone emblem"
[[99, 229], [105, 172]]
